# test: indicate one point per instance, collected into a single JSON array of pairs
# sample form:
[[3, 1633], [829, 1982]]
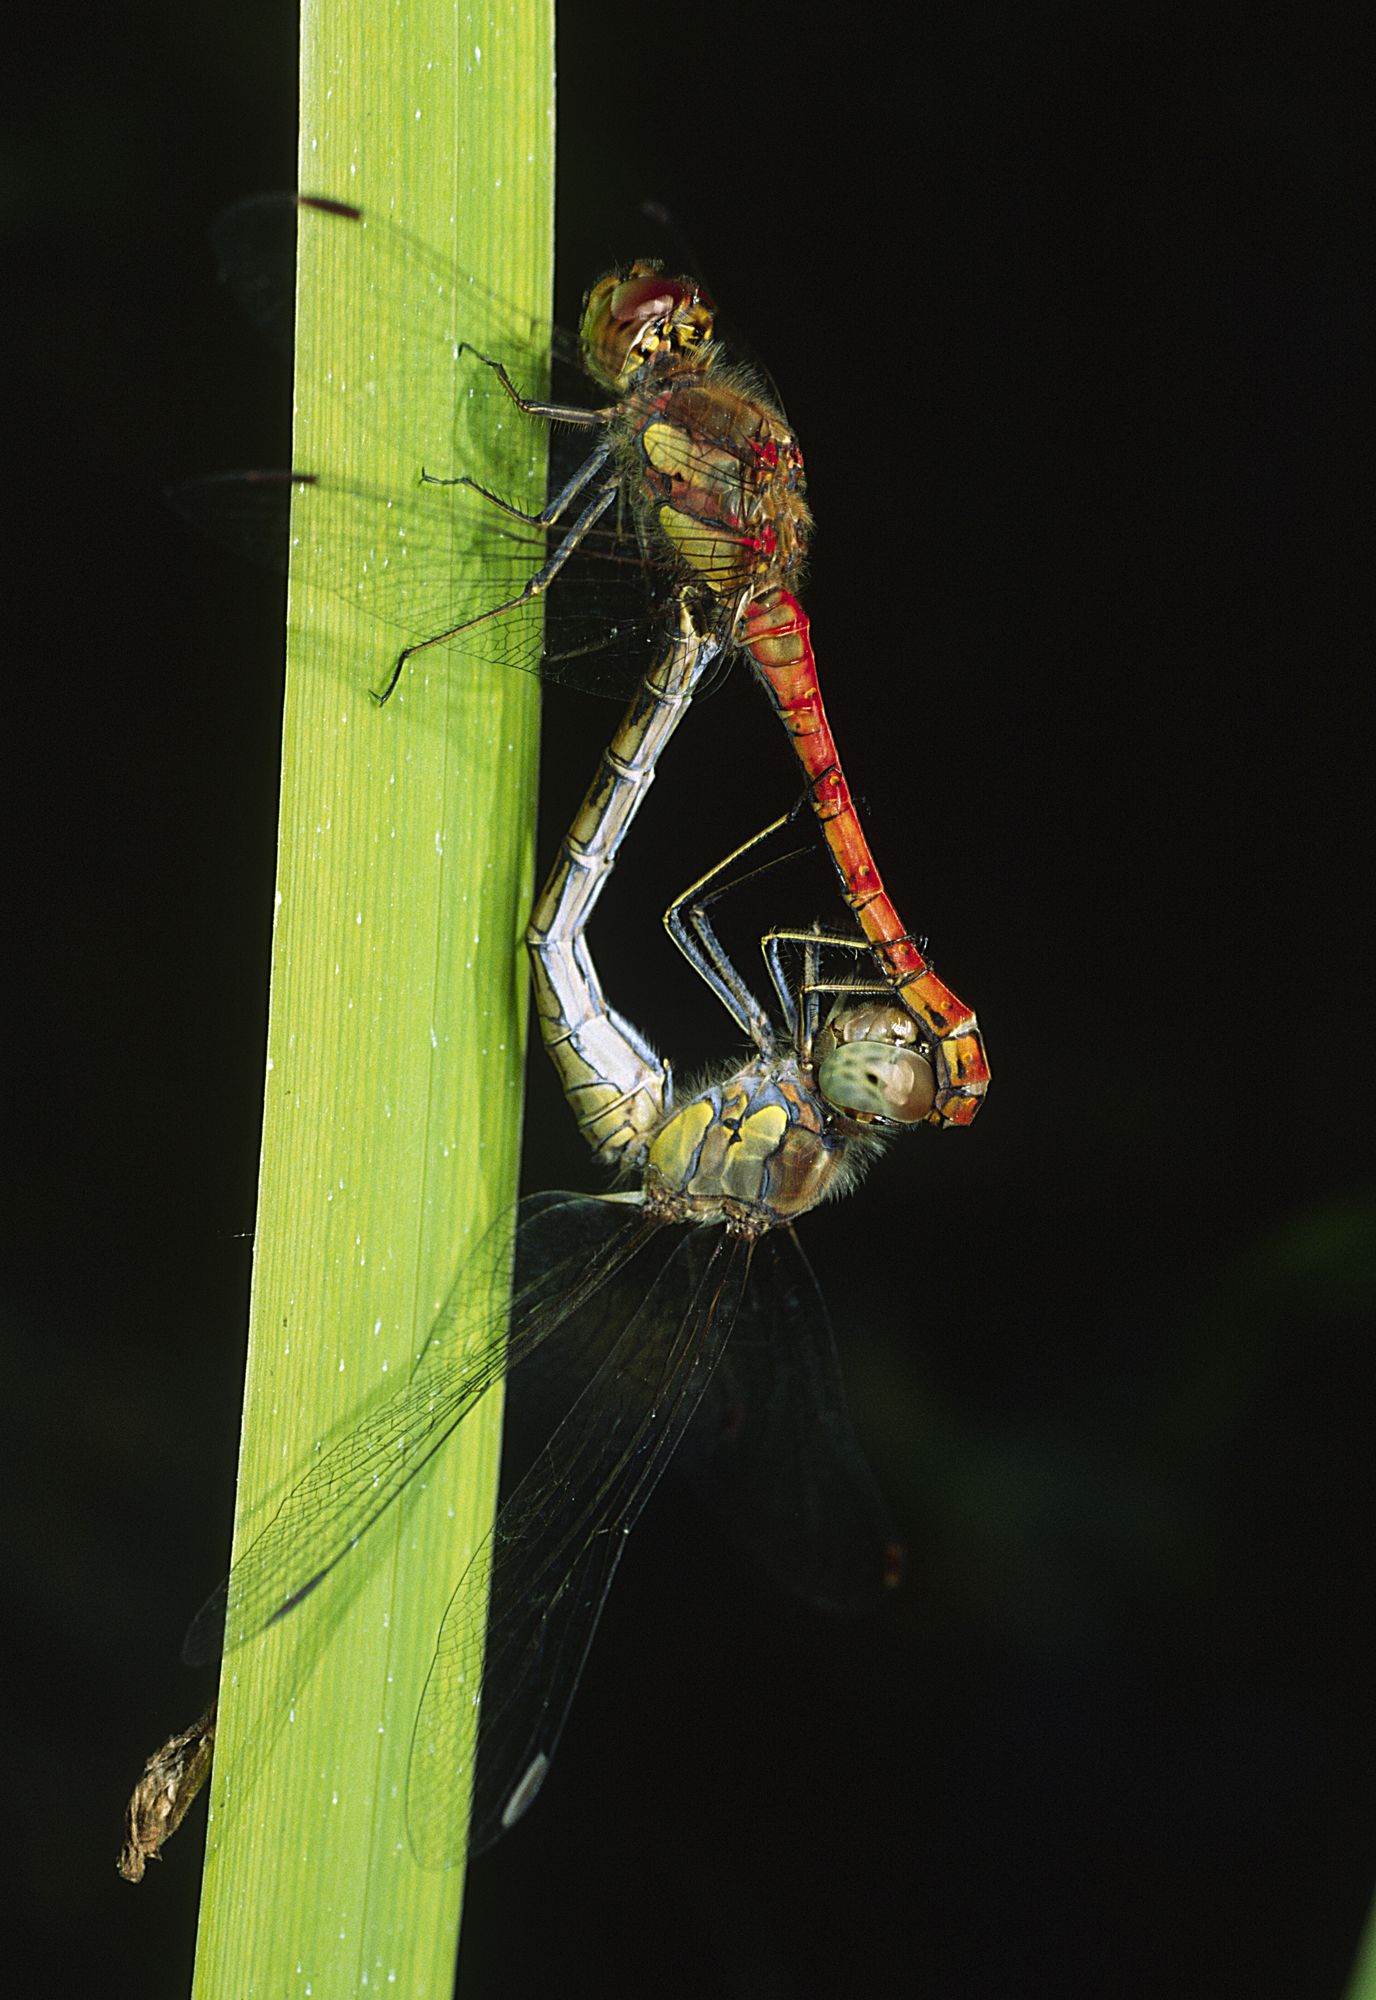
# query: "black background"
[[1064, 303]]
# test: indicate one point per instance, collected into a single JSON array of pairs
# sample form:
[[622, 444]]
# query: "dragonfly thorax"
[[642, 317], [722, 480], [753, 1152]]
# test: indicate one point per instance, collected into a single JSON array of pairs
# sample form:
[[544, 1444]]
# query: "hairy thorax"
[[753, 1152], [720, 483]]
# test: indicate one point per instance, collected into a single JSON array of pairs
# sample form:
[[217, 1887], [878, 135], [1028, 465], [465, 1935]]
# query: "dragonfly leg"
[[550, 513], [813, 986], [534, 586], [554, 413], [689, 925]]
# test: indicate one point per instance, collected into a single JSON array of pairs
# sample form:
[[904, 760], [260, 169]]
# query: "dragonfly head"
[[869, 1065], [640, 316]]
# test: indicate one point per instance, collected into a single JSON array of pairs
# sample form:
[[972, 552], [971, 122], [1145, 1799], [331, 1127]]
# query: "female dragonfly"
[[631, 1297]]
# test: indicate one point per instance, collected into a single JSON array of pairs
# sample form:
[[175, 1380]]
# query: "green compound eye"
[[877, 1080]]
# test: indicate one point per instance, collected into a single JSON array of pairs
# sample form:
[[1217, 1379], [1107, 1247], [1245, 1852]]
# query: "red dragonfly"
[[690, 446]]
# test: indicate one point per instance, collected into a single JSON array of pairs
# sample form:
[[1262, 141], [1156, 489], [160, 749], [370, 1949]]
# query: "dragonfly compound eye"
[[878, 1080]]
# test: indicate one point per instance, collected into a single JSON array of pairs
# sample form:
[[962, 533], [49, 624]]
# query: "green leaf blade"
[[395, 1044]]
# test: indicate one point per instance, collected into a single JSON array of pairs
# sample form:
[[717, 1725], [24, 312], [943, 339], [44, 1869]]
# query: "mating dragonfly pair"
[[640, 1290]]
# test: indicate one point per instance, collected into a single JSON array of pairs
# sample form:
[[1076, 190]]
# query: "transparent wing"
[[519, 1626], [420, 556], [418, 552], [440, 304], [566, 1249], [773, 1453]]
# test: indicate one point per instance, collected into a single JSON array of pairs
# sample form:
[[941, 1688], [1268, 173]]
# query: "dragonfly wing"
[[519, 1626], [422, 558], [419, 556], [566, 1248], [430, 296], [773, 1452]]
